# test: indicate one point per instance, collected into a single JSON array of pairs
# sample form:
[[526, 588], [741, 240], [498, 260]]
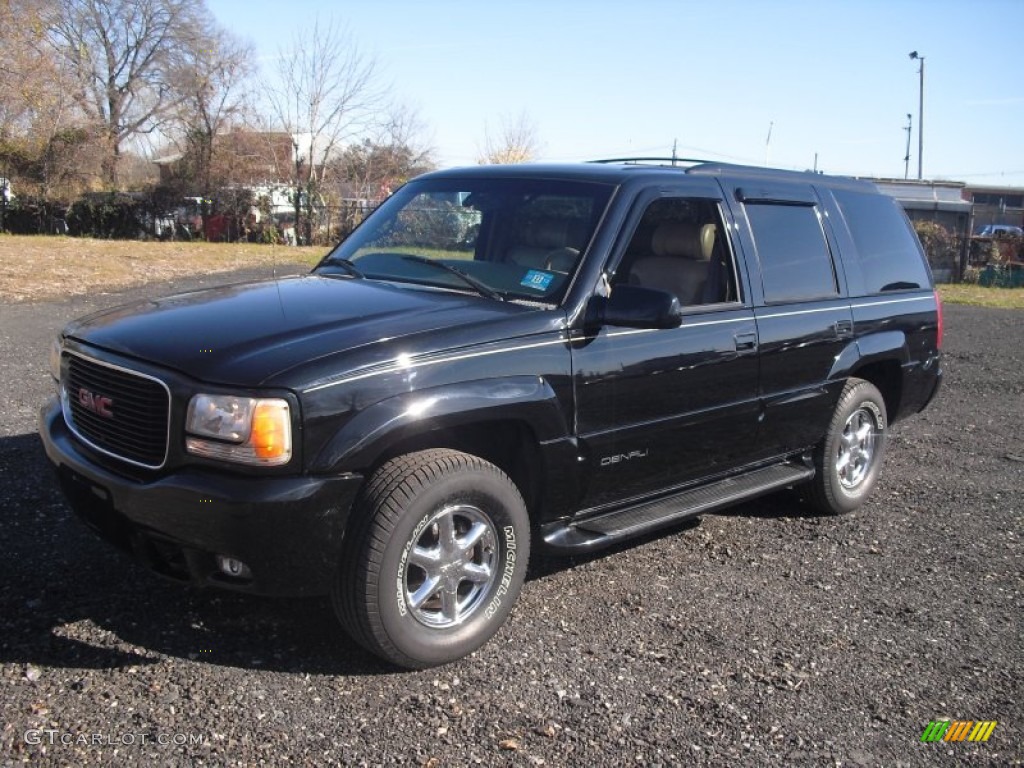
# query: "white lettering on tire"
[[879, 419], [508, 571], [403, 609]]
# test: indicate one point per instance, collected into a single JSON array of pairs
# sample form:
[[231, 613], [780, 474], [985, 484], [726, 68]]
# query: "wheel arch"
[[515, 423], [887, 376], [878, 358], [510, 445]]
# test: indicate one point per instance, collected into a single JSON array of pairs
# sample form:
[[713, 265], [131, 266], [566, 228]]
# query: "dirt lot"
[[761, 636]]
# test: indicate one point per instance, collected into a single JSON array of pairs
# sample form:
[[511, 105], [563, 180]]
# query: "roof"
[[926, 195], [168, 159], [994, 189], [618, 172]]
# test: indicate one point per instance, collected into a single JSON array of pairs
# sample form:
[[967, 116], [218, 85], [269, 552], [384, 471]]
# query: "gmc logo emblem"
[[98, 404]]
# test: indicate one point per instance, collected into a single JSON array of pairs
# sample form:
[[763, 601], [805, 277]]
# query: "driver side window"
[[680, 246]]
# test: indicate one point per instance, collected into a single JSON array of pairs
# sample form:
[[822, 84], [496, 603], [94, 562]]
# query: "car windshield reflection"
[[498, 238]]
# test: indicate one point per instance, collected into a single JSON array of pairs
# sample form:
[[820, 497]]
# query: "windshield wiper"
[[469, 280], [351, 268]]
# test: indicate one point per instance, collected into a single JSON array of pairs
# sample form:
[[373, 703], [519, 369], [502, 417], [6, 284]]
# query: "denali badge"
[[607, 461], [98, 404]]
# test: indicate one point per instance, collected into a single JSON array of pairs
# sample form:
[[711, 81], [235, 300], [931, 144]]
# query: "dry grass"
[[981, 296], [34, 268]]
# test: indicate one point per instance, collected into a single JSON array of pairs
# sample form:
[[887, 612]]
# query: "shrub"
[[939, 243], [108, 216]]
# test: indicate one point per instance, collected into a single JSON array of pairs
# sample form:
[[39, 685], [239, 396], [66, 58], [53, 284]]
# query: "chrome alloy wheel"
[[857, 447], [451, 566]]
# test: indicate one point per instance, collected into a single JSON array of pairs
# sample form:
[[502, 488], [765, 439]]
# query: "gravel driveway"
[[759, 636]]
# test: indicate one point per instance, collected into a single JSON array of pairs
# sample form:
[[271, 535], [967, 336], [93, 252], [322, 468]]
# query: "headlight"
[[55, 350], [247, 430]]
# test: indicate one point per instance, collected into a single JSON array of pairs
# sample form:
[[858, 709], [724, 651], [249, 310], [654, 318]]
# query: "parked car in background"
[[1000, 230]]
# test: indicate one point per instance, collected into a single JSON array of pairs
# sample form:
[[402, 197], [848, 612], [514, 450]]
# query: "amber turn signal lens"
[[271, 430]]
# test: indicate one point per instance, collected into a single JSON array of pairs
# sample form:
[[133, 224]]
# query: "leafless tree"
[[23, 66], [388, 156], [515, 142], [369, 170], [41, 142], [210, 81], [122, 54], [328, 94]]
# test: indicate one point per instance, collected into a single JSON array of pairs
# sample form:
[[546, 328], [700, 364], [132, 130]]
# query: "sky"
[[599, 79]]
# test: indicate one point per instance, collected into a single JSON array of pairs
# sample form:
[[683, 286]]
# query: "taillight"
[[941, 326]]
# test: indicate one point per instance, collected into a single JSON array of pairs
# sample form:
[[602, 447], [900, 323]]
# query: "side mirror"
[[631, 306]]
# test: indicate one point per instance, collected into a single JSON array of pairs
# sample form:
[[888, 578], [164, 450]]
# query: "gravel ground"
[[760, 636]]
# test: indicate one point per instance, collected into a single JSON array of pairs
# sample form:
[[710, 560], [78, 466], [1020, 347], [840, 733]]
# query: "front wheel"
[[848, 459], [435, 559]]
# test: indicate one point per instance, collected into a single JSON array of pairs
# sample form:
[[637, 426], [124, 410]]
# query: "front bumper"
[[287, 530]]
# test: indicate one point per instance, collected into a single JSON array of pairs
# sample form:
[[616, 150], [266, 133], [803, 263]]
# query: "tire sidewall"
[[500, 502], [863, 395]]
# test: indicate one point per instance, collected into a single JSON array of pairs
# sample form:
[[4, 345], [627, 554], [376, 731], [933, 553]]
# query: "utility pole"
[[915, 56], [768, 143], [906, 158]]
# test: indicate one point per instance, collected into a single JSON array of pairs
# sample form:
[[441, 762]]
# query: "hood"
[[251, 332]]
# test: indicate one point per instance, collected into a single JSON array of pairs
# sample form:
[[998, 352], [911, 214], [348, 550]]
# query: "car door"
[[660, 408], [800, 303]]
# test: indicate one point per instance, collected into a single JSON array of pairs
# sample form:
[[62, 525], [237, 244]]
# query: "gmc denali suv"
[[500, 358]]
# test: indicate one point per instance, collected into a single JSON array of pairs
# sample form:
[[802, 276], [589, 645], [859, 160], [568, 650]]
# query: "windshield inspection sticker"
[[537, 280]]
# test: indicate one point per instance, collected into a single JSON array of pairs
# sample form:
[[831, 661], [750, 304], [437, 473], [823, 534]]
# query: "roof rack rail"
[[659, 160]]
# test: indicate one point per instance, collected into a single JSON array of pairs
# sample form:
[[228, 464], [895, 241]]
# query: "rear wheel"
[[435, 559], [849, 458]]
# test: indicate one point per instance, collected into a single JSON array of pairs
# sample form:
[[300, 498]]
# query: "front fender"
[[527, 399]]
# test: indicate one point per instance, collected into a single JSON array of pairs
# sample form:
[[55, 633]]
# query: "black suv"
[[500, 358]]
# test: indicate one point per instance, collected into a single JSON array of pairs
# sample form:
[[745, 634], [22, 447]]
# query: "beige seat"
[[552, 244], [682, 255]]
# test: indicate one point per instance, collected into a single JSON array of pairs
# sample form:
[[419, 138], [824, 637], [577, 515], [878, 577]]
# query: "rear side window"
[[886, 246], [795, 261]]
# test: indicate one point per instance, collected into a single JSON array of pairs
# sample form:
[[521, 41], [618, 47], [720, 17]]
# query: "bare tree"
[[209, 80], [24, 66], [389, 156], [515, 142], [121, 54], [41, 140], [328, 94], [373, 168]]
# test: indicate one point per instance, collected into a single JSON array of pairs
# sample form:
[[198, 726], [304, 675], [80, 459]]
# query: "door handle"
[[843, 328], [746, 342]]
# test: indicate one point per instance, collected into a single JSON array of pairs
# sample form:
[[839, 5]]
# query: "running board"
[[601, 530]]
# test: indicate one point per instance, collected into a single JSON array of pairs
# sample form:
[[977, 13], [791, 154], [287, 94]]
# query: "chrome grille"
[[117, 411]]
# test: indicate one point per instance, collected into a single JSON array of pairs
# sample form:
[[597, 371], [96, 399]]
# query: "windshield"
[[500, 238]]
